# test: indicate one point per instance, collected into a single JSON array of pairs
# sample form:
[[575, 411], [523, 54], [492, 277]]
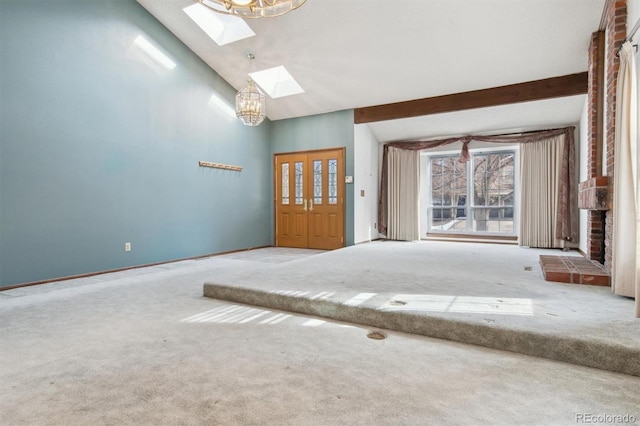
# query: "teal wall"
[[332, 130], [98, 148]]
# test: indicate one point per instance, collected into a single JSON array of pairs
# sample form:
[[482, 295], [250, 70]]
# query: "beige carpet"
[[143, 347], [484, 294]]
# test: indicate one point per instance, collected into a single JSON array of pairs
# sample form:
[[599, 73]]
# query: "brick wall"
[[613, 29], [595, 225], [616, 30], [592, 104]]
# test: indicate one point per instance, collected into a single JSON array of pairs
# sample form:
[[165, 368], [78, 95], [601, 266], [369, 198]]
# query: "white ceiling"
[[358, 53]]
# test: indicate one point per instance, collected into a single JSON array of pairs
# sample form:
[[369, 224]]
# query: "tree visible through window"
[[478, 196]]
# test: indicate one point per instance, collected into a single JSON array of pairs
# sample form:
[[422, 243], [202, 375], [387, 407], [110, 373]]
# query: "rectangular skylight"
[[277, 82], [154, 53], [222, 29]]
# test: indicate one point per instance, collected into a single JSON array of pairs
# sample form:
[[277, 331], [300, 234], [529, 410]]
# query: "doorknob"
[[305, 205], [310, 205]]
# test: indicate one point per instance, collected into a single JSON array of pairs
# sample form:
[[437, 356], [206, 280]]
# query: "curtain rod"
[[526, 132], [632, 33]]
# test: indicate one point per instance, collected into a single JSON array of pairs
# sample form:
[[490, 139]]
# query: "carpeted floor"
[[485, 286], [144, 347]]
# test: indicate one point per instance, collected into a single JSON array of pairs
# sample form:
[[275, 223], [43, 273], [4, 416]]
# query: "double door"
[[309, 199]]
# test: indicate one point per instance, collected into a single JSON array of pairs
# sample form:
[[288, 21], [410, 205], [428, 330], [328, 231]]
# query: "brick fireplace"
[[595, 192]]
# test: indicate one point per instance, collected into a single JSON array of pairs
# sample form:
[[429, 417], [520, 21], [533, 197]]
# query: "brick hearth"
[[574, 270]]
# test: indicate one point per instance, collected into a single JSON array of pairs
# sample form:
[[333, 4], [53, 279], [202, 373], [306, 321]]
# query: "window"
[[476, 197], [448, 193]]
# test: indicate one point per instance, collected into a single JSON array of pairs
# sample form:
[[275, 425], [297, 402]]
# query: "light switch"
[[362, 192]]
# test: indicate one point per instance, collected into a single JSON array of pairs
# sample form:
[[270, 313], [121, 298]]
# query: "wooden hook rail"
[[219, 166]]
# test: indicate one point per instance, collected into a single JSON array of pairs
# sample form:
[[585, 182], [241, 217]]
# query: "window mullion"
[[470, 194]]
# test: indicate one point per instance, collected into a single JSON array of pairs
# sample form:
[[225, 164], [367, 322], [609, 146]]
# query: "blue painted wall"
[[99, 147], [332, 130]]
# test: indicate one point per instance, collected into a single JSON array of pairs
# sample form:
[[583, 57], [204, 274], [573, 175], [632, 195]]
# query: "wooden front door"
[[309, 199]]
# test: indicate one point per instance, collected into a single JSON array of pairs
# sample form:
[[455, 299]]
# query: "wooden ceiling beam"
[[556, 87]]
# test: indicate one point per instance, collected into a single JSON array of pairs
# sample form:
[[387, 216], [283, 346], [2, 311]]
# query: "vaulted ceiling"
[[359, 53]]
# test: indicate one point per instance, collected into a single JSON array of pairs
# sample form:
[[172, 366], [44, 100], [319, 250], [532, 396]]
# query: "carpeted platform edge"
[[590, 353]]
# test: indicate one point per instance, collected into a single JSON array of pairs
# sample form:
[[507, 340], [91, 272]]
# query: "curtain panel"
[[625, 269], [567, 219], [540, 169], [404, 195]]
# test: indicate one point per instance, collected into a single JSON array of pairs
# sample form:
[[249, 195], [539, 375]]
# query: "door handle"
[[305, 205], [310, 205]]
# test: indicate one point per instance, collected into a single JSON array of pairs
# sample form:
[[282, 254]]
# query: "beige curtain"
[[404, 195], [540, 171], [625, 272], [567, 223]]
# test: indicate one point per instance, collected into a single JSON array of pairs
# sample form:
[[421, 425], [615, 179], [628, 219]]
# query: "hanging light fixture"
[[251, 107], [252, 8]]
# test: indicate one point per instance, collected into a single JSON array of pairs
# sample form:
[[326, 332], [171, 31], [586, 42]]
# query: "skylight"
[[277, 82], [222, 29]]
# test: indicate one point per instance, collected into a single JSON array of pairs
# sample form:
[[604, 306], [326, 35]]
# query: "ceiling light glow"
[[219, 103], [154, 53]]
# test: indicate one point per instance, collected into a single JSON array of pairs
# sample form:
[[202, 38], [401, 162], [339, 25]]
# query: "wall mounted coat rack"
[[219, 166]]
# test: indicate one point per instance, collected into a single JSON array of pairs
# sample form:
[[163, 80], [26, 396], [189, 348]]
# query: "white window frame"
[[426, 208]]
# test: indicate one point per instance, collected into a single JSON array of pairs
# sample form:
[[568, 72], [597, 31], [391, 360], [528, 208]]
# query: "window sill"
[[495, 239]]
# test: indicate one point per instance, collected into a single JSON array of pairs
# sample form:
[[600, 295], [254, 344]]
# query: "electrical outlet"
[[375, 225], [127, 246]]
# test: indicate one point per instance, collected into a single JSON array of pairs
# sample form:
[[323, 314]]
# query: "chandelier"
[[252, 8], [251, 107]]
